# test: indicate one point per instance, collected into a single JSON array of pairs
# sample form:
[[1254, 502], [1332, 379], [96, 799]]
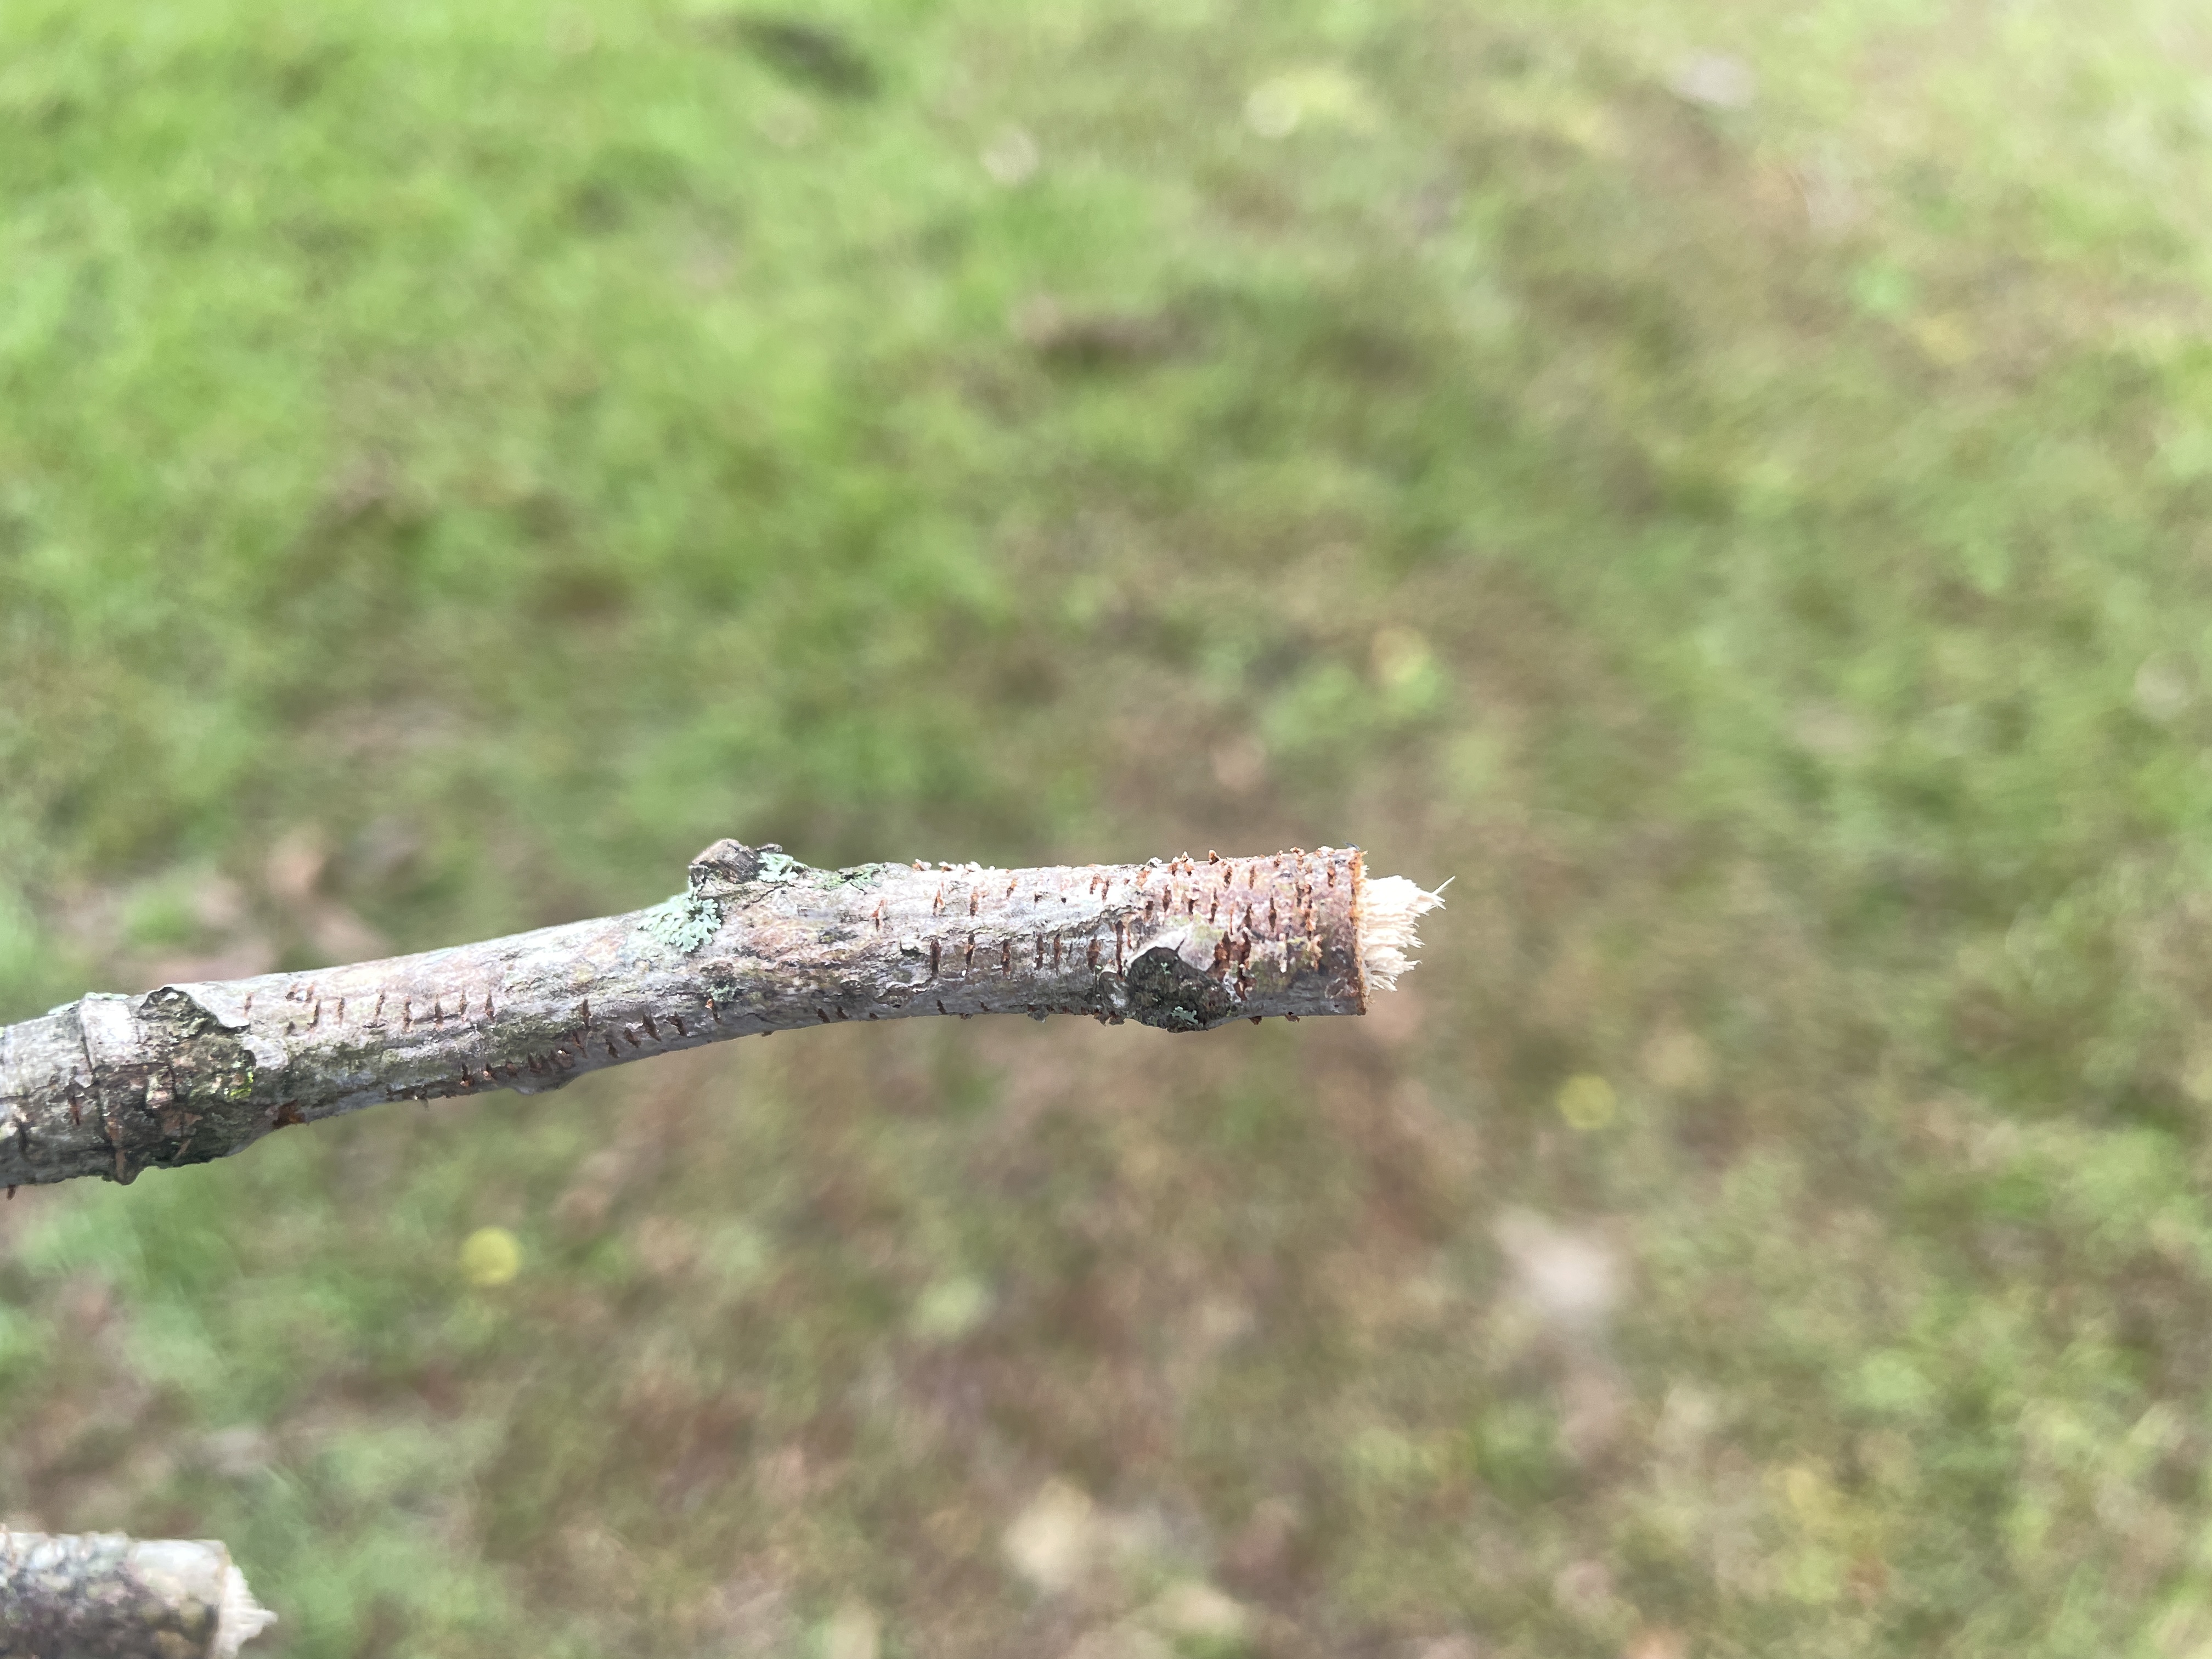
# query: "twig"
[[109, 1085], [102, 1596]]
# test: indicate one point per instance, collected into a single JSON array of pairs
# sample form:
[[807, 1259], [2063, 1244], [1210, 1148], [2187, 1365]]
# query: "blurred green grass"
[[1729, 485]]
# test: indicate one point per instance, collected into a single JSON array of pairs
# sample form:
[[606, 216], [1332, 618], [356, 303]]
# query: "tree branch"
[[106, 1596], [109, 1085]]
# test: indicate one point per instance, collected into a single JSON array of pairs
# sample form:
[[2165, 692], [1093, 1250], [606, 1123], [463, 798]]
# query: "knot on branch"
[[728, 866], [1165, 991], [724, 867]]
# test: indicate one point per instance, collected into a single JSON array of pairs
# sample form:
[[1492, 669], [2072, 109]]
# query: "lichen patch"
[[682, 923]]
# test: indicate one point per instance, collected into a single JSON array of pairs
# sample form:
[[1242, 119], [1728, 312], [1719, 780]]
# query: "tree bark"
[[106, 1596], [109, 1085]]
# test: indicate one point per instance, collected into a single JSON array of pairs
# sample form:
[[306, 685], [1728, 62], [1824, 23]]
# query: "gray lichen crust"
[[109, 1085], [104, 1597]]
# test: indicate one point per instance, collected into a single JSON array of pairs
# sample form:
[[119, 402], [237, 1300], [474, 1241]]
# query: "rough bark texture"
[[109, 1085], [106, 1596]]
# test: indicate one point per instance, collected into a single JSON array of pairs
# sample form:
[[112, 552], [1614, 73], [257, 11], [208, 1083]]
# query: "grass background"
[[1728, 484]]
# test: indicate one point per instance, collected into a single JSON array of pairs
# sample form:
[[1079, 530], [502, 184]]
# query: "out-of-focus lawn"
[[1731, 484]]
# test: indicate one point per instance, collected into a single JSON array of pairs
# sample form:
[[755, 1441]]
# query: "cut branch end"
[[1389, 905]]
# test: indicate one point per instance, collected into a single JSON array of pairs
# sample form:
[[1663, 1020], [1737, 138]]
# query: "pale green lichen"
[[777, 866], [684, 923]]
